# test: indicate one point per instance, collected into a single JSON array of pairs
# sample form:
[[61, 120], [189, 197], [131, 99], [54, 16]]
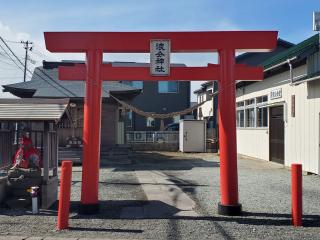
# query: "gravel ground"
[[264, 192]]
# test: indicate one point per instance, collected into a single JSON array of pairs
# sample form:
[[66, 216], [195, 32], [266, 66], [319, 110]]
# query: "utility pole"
[[27, 47]]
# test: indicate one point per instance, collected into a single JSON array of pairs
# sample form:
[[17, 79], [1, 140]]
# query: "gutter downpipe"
[[280, 64], [291, 71]]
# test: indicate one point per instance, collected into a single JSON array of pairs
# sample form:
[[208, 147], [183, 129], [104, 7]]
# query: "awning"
[[33, 109]]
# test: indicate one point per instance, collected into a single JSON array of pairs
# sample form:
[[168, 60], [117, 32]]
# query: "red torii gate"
[[226, 72]]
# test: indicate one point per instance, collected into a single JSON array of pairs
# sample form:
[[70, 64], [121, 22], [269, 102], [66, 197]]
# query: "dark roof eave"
[[198, 91], [126, 94], [19, 92]]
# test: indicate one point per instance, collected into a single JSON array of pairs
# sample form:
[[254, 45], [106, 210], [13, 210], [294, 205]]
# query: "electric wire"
[[48, 76]]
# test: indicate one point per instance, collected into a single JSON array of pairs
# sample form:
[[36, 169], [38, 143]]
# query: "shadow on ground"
[[156, 161], [135, 210], [139, 210]]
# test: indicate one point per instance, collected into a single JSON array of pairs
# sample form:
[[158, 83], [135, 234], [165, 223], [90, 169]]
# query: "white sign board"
[[160, 57], [316, 21], [277, 93]]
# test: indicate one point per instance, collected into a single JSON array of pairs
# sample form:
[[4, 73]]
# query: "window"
[[262, 118], [135, 84], [262, 99], [250, 113], [253, 112], [168, 87], [250, 102], [240, 118], [128, 118], [250, 117], [150, 122], [240, 104], [240, 114], [209, 95]]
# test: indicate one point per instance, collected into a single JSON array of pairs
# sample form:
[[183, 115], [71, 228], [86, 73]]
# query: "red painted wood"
[[109, 73], [227, 72], [296, 191], [64, 196], [139, 42], [227, 129], [92, 129]]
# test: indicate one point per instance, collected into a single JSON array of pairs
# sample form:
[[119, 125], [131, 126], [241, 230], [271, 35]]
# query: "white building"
[[278, 119], [207, 95]]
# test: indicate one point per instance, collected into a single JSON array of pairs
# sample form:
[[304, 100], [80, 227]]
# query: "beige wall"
[[301, 132], [109, 119]]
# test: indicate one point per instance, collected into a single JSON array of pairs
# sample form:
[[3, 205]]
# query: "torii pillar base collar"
[[230, 210]]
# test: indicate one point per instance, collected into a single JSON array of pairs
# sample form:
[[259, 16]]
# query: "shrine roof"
[[45, 84]]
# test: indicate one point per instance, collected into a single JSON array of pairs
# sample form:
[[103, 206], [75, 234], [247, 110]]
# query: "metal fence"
[[152, 137]]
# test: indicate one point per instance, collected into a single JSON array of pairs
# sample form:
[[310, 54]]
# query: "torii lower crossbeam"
[[226, 72]]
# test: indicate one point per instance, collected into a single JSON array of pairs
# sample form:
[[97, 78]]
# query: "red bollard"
[[64, 196], [296, 190]]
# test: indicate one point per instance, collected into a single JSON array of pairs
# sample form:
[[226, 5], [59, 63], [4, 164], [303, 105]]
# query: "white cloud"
[[225, 25], [10, 73]]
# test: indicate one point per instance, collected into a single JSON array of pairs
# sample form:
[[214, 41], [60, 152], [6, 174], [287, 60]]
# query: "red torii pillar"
[[226, 72]]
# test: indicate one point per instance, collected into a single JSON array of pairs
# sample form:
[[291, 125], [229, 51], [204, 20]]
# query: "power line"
[[27, 69], [11, 41], [10, 77], [48, 76], [3, 54], [38, 53], [23, 65], [27, 47], [8, 63], [9, 54]]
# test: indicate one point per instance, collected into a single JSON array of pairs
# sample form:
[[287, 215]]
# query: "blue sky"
[[28, 20]]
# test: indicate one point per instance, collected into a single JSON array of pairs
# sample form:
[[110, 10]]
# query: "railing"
[[6, 149], [152, 137]]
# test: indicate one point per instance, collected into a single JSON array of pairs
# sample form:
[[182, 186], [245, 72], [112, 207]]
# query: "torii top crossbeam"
[[94, 44], [139, 42]]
